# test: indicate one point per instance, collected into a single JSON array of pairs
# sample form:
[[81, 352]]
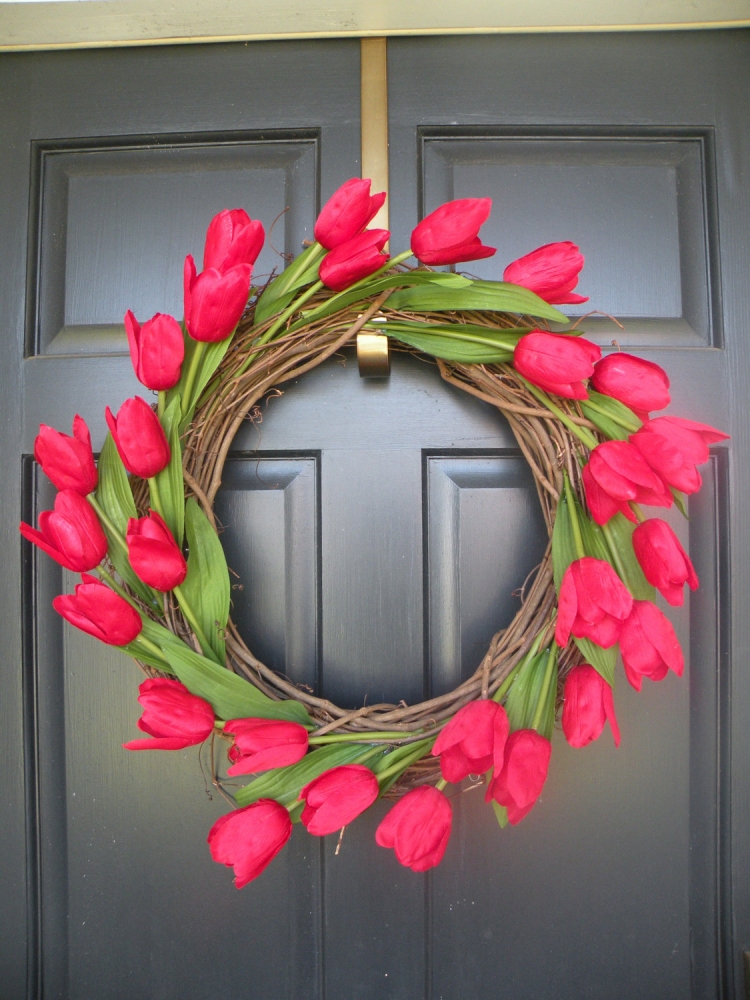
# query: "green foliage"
[[619, 537], [455, 342], [231, 696], [610, 416], [501, 814], [495, 296], [376, 284], [281, 291], [285, 783], [114, 496], [530, 702], [169, 481], [602, 660], [206, 588]]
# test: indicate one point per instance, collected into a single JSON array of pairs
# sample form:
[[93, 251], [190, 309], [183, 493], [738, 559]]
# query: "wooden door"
[[378, 529]]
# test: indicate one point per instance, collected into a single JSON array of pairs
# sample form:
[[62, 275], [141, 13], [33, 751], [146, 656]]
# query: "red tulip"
[[470, 741], [71, 534], [249, 839], [550, 271], [154, 554], [96, 609], [639, 384], [617, 473], [519, 784], [67, 461], [418, 828], [587, 706], [232, 238], [648, 645], [173, 716], [664, 562], [593, 603], [157, 350], [336, 797], [556, 362], [347, 212], [357, 258], [450, 234], [673, 447], [140, 438], [260, 744], [214, 300]]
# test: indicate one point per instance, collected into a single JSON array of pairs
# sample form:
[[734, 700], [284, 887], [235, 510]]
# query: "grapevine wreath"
[[143, 522]]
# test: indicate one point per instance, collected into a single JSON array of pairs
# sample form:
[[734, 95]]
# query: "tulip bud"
[[336, 797], [519, 784], [261, 744], [214, 300], [157, 350], [639, 384], [71, 534], [140, 438], [593, 603], [556, 362], [349, 262], [173, 716], [617, 473], [471, 740], [450, 234], [249, 839], [648, 645], [418, 828], [96, 609], [551, 271], [232, 238], [67, 461], [664, 562], [673, 447], [347, 212], [154, 554], [587, 706]]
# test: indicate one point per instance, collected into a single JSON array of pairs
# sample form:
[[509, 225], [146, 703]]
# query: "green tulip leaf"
[[379, 283], [114, 496], [280, 292], [455, 342], [169, 481], [602, 660], [495, 296], [680, 502], [206, 588], [501, 814], [285, 783], [610, 416], [231, 696], [618, 533]]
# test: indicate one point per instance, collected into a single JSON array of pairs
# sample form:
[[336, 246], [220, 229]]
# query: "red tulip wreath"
[[143, 522]]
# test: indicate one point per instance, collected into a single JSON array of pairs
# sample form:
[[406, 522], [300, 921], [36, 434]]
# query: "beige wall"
[[92, 23]]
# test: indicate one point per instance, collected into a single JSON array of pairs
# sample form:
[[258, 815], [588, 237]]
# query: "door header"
[[65, 24]]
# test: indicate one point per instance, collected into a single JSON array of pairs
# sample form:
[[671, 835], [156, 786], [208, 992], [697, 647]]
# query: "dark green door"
[[378, 530]]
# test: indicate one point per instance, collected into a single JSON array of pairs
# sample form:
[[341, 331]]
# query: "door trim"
[[105, 23]]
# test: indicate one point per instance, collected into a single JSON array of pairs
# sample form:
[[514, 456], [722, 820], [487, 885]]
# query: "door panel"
[[379, 530], [628, 145]]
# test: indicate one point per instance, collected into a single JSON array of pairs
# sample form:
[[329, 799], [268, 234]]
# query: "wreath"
[[143, 521]]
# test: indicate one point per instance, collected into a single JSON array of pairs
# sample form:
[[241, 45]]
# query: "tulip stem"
[[362, 283], [441, 784], [636, 508], [195, 361], [580, 432], [194, 624], [549, 670], [363, 738], [627, 425], [108, 524], [577, 536], [155, 496], [161, 404]]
